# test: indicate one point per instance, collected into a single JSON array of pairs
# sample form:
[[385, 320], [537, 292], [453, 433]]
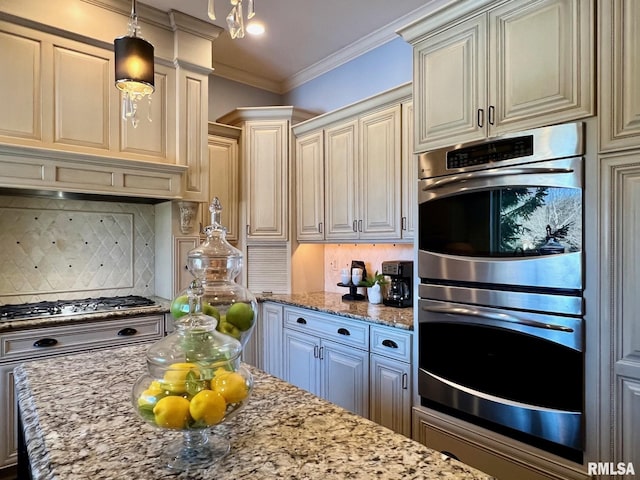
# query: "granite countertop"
[[161, 307], [360, 310], [80, 423]]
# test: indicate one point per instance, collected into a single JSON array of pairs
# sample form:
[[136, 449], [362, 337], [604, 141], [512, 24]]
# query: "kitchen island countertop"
[[79, 423], [333, 303]]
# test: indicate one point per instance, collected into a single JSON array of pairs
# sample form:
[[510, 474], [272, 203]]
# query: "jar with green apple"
[[216, 264]]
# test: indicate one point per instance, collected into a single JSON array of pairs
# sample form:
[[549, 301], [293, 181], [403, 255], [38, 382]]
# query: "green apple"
[[229, 329], [240, 315], [180, 306], [210, 310]]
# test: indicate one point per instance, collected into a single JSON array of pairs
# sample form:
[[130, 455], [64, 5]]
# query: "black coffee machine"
[[400, 292]]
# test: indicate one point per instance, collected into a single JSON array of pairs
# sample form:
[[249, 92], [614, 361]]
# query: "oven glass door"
[[514, 226]]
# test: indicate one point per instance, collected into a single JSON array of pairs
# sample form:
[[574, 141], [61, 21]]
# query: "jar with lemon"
[[195, 379]]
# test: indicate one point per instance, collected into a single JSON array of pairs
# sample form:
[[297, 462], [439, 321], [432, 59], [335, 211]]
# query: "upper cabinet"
[[485, 68], [265, 163], [620, 63], [223, 176], [61, 126], [349, 172]]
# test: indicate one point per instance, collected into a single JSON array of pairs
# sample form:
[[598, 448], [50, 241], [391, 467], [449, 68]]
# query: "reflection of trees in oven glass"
[[526, 212]]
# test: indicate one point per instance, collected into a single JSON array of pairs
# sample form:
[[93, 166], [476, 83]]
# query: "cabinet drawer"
[[391, 342], [80, 337], [328, 326]]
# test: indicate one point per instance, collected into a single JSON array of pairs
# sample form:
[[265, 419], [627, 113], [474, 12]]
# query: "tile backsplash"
[[64, 249], [338, 256]]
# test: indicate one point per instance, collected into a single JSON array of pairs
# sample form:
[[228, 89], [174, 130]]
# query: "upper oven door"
[[513, 226]]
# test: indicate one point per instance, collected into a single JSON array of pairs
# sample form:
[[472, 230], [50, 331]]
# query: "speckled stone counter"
[[162, 306], [360, 310], [79, 423]]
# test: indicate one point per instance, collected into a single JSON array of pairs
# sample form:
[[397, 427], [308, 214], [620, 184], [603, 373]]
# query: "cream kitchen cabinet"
[[328, 356], [265, 163], [619, 23], [482, 69], [224, 176], [409, 200], [27, 345], [272, 343], [310, 186], [390, 388], [362, 177]]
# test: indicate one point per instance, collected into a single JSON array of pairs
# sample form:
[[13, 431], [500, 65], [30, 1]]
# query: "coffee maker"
[[400, 292]]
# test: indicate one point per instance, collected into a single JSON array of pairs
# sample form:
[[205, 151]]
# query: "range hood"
[[65, 174]]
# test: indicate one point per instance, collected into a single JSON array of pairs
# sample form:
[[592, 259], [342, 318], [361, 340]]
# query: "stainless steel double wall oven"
[[500, 262]]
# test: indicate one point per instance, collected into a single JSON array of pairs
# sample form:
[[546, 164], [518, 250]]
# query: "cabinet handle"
[[321, 353], [389, 343], [480, 118], [492, 114], [359, 225], [405, 381], [248, 228], [127, 332], [344, 331], [355, 226], [403, 223], [315, 351], [301, 321], [320, 227], [45, 342]]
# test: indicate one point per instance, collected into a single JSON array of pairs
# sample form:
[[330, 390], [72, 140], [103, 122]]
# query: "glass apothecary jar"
[[194, 381], [216, 264]]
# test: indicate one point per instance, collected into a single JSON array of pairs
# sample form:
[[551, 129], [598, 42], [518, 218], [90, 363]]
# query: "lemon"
[[171, 412], [151, 395], [231, 386], [176, 375], [208, 406]]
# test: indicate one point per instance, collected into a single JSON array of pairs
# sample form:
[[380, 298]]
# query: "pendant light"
[[134, 69]]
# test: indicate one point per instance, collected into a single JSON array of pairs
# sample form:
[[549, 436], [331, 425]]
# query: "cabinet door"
[[272, 338], [223, 183], [541, 63], [310, 186], [8, 417], [182, 276], [341, 203], [345, 376], [390, 394], [266, 147], [379, 174], [619, 76], [409, 194], [301, 363], [450, 92]]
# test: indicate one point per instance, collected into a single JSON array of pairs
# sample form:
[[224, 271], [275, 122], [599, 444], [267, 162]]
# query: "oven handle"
[[494, 173], [501, 317]]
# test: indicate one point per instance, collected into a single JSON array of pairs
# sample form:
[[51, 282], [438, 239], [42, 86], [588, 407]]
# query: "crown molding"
[[230, 73]]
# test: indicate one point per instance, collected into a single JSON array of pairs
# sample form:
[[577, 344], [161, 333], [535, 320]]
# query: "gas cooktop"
[[72, 307]]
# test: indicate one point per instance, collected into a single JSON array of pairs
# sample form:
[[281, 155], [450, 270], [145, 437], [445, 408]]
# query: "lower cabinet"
[[26, 345], [390, 361], [361, 367], [271, 333]]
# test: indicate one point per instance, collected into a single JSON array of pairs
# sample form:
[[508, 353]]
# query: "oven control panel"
[[489, 152]]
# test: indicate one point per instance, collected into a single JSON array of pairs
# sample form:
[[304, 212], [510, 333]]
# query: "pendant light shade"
[[134, 68], [134, 65]]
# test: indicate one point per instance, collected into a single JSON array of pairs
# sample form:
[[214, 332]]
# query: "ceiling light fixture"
[[235, 20], [134, 69]]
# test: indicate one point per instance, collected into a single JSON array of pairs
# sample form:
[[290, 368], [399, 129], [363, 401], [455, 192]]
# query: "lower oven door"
[[520, 370]]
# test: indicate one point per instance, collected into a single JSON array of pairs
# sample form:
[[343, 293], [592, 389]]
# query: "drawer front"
[[80, 337], [391, 342], [328, 326]]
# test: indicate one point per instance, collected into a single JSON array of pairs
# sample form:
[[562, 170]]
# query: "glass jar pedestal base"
[[196, 449]]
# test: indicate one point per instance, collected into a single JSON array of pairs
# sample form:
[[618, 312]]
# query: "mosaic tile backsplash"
[[64, 249]]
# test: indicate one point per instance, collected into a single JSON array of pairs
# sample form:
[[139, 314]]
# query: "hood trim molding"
[[39, 169]]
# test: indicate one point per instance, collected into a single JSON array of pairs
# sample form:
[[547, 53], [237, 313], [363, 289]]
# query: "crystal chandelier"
[[134, 69], [235, 20]]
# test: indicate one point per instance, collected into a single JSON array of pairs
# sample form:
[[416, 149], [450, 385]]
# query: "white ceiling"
[[304, 38]]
